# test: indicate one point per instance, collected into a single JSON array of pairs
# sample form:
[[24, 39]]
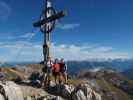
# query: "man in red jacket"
[[56, 71]]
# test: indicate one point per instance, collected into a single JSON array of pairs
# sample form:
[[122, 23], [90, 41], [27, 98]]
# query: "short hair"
[[56, 60], [62, 59]]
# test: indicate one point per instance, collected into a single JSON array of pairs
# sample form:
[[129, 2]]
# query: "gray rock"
[[69, 92], [18, 92], [81, 92], [12, 91], [1, 97], [28, 98], [66, 90], [84, 92]]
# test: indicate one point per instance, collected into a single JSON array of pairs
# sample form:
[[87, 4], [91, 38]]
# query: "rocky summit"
[[102, 84], [16, 84], [12, 91]]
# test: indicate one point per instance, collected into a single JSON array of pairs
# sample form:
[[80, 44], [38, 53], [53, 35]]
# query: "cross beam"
[[50, 19]]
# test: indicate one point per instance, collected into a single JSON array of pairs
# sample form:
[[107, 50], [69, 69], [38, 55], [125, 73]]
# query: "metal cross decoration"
[[47, 23]]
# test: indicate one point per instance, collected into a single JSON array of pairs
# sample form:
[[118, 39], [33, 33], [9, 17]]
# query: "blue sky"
[[93, 29]]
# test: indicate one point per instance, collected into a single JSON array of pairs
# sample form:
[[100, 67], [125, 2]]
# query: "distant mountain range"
[[120, 65], [128, 73]]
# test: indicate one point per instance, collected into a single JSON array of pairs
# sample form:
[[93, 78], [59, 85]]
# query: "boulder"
[[81, 92], [79, 95], [50, 98], [11, 91], [1, 97], [28, 98], [84, 92], [66, 90]]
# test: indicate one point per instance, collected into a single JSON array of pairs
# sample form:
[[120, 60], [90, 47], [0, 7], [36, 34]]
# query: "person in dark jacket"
[[63, 70]]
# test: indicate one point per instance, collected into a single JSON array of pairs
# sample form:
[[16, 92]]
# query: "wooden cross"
[[47, 24]]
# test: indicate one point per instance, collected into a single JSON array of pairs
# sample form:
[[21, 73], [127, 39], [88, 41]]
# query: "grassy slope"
[[9, 74], [109, 87]]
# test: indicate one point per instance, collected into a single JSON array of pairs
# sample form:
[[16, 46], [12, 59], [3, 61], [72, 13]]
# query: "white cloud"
[[5, 11], [67, 26], [27, 35], [29, 52], [103, 49], [73, 52], [20, 51]]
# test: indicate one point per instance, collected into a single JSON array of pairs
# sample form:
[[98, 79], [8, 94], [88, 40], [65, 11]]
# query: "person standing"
[[63, 69], [56, 71], [2, 75], [49, 65]]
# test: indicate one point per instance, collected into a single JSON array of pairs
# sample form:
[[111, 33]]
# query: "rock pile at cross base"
[[12, 91]]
